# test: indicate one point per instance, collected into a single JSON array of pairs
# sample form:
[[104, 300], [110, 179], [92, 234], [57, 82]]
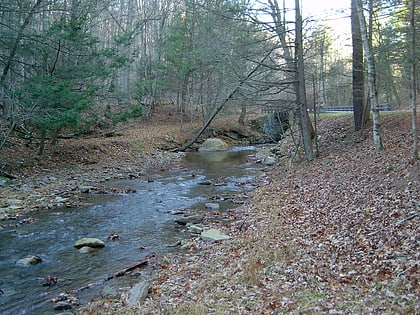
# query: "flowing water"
[[143, 220]]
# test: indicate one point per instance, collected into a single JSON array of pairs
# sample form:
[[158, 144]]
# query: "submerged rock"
[[89, 242], [62, 305], [28, 261]]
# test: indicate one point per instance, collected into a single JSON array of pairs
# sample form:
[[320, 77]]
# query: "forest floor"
[[339, 235]]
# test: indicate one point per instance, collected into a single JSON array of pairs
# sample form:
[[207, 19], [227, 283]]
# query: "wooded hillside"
[[76, 66]]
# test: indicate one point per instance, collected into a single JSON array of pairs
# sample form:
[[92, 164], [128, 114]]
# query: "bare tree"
[[373, 94], [295, 65]]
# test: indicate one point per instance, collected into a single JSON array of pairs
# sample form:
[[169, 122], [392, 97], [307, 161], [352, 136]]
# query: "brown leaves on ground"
[[339, 235]]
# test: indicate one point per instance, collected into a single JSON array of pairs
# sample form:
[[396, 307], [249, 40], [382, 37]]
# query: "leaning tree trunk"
[[373, 94], [222, 104]]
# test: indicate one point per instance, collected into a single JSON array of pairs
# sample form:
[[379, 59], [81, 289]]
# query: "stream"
[[143, 220]]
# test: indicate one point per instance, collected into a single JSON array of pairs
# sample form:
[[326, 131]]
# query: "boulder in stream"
[[269, 160], [89, 242], [213, 144]]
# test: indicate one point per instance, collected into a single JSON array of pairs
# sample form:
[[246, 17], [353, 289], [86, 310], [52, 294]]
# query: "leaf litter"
[[339, 235]]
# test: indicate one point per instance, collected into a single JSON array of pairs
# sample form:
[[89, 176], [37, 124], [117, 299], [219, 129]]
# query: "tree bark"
[[373, 94], [357, 69], [305, 123], [413, 78]]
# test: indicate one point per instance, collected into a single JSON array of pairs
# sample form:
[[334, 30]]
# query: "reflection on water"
[[142, 220], [222, 163]]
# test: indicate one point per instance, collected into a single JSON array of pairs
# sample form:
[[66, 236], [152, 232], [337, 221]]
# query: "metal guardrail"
[[386, 107], [267, 109]]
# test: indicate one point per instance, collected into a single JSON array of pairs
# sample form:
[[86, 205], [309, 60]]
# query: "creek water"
[[143, 220]]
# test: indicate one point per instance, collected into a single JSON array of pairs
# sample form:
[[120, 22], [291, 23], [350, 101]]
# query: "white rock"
[[213, 235]]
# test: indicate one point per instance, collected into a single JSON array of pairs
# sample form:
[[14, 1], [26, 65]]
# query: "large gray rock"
[[3, 181], [89, 242], [109, 292], [213, 235], [213, 144], [194, 229], [138, 293]]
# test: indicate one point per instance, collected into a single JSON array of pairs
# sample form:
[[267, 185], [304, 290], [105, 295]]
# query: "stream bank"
[[303, 244], [212, 182]]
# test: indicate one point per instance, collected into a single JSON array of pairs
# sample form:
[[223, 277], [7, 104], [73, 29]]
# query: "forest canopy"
[[73, 65]]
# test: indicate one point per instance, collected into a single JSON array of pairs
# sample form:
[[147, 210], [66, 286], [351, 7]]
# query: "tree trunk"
[[413, 78], [357, 63], [373, 94], [241, 119], [305, 123], [279, 26]]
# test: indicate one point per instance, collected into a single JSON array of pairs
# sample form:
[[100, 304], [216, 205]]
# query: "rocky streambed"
[[149, 212]]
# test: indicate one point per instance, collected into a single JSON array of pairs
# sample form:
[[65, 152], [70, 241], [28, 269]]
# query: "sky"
[[335, 13]]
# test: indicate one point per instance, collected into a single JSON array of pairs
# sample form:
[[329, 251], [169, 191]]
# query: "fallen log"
[[131, 268]]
